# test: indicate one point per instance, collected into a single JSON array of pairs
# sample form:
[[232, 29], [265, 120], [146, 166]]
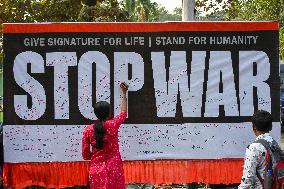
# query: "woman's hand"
[[124, 87]]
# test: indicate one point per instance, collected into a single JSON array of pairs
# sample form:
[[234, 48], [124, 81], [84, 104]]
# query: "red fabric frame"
[[139, 27], [65, 174]]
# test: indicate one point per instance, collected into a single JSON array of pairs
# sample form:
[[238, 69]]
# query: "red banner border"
[[138, 27]]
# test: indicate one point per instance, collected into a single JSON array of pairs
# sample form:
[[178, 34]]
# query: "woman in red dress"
[[106, 170]]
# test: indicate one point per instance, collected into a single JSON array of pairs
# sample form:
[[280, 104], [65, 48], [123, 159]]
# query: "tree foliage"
[[164, 14], [141, 10], [26, 11], [281, 43], [23, 11], [210, 8], [12, 11], [39, 11], [259, 10], [103, 11], [250, 10]]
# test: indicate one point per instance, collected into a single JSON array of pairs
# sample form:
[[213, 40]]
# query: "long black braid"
[[102, 111]]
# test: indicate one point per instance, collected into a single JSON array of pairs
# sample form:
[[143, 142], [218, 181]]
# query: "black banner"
[[162, 55]]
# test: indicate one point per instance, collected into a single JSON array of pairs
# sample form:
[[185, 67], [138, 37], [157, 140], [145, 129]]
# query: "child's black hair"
[[262, 121]]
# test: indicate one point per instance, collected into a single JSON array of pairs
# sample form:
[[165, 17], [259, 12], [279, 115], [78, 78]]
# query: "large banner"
[[193, 87]]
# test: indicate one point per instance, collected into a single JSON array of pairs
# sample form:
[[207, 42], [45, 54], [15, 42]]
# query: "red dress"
[[106, 170]]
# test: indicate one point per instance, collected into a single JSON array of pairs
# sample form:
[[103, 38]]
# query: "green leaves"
[[281, 43], [257, 10], [106, 11], [141, 10], [164, 15], [260, 10], [39, 11], [249, 10]]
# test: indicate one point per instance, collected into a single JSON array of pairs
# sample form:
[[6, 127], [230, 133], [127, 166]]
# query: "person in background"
[[256, 153], [106, 170]]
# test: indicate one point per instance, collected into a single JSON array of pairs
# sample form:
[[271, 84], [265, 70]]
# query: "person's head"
[[102, 111], [262, 122]]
